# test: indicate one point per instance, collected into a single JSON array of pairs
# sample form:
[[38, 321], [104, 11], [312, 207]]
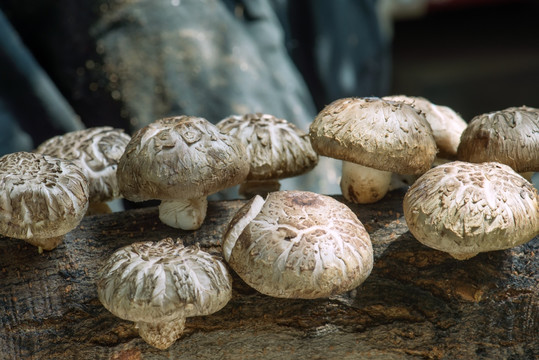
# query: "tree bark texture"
[[418, 303]]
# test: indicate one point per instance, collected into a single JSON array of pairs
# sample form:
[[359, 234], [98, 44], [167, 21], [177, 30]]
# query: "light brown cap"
[[447, 126], [97, 151], [181, 157], [465, 208], [382, 134], [41, 197], [276, 148], [163, 282], [509, 136], [298, 244]]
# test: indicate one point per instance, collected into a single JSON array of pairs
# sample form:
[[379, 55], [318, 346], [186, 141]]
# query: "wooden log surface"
[[418, 303]]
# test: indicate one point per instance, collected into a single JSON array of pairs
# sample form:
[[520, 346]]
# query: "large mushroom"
[[180, 161], [374, 138], [465, 208], [298, 244], [509, 136], [97, 151], [158, 285], [276, 149], [42, 198]]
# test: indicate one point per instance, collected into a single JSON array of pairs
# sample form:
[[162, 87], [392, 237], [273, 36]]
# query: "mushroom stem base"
[[187, 214], [45, 244], [251, 188], [161, 335], [463, 256], [363, 185]]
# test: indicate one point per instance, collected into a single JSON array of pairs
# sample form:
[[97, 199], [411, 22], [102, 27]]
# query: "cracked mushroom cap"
[[381, 134], [97, 151], [41, 198], [181, 157], [509, 136], [298, 244], [276, 148], [465, 208], [159, 284], [447, 126]]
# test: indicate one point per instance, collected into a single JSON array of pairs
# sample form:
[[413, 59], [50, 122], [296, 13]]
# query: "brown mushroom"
[[276, 149], [373, 137], [298, 244], [42, 198], [509, 136], [158, 285], [97, 151], [465, 208], [180, 161]]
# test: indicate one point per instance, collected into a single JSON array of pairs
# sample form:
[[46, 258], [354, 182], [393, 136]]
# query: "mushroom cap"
[[509, 136], [97, 151], [382, 134], [162, 281], [447, 126], [276, 148], [183, 157], [466, 208], [40, 196], [298, 244]]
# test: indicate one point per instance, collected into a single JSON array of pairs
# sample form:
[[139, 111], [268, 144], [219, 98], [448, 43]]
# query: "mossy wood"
[[417, 303]]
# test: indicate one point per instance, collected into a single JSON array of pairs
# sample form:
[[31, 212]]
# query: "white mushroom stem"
[[161, 335], [185, 214], [363, 185], [45, 244], [251, 188]]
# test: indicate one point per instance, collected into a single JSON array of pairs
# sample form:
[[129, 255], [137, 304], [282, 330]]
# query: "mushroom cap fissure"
[[276, 148], [40, 196], [180, 157], [447, 126], [162, 281], [97, 151], [302, 245], [509, 136], [382, 134], [464, 208]]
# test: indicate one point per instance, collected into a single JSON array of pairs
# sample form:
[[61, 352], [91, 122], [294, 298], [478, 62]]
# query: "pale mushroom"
[[158, 285], [373, 137], [509, 136], [180, 161], [465, 208], [447, 126], [42, 198], [97, 151], [276, 149], [298, 244]]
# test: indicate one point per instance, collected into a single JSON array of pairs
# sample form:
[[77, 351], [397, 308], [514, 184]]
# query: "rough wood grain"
[[418, 303]]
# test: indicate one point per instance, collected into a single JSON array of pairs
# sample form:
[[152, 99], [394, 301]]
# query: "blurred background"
[[66, 65]]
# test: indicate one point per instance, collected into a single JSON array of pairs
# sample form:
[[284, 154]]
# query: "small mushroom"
[[276, 149], [465, 208], [509, 136], [42, 198], [298, 244], [158, 285], [180, 161], [97, 151], [447, 126], [373, 137]]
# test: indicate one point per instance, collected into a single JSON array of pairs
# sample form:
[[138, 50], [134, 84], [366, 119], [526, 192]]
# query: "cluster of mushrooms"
[[465, 195]]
